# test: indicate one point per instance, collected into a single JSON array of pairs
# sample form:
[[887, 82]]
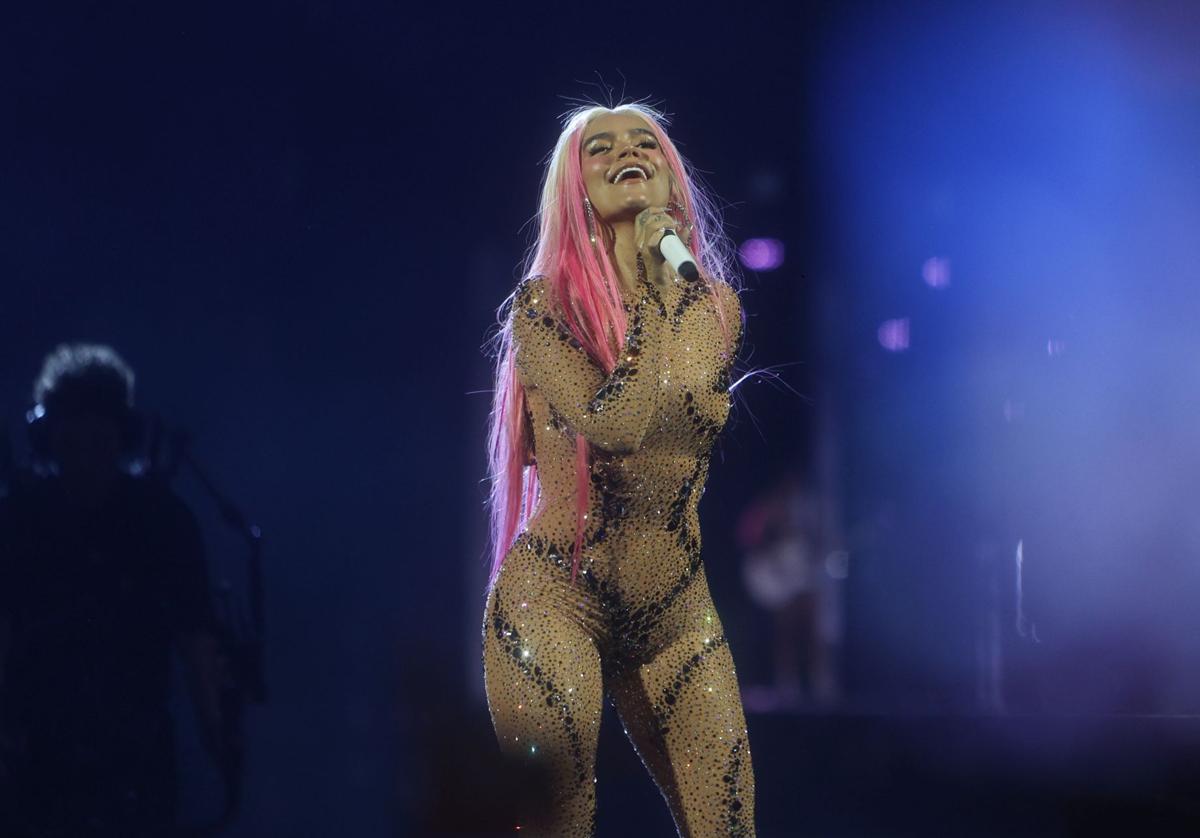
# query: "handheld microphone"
[[676, 253]]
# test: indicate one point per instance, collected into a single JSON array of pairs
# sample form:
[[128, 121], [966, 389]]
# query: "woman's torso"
[[642, 527]]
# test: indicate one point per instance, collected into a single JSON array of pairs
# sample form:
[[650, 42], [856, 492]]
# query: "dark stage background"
[[296, 221]]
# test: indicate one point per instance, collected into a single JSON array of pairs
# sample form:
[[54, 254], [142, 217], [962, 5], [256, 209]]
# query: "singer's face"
[[623, 168]]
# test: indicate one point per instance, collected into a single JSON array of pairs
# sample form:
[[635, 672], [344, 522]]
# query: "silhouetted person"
[[102, 573]]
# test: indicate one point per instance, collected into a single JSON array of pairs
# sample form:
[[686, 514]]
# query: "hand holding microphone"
[[658, 243]]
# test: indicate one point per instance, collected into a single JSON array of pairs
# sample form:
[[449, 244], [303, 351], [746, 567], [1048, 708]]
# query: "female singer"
[[612, 382]]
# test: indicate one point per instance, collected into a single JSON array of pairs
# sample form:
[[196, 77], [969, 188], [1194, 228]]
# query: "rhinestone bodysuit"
[[638, 624]]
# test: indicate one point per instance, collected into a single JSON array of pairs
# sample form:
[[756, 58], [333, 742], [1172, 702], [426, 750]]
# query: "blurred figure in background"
[[792, 568], [102, 574]]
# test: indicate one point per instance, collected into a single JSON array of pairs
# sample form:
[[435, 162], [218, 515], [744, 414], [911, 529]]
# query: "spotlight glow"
[[936, 272], [894, 334], [761, 254]]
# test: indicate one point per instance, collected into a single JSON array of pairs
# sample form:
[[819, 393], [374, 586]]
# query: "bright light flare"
[[761, 254], [894, 334], [936, 272]]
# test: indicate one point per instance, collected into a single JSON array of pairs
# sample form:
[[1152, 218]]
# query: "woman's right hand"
[[649, 227]]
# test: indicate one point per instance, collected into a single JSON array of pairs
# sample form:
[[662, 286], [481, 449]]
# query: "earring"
[[591, 219]]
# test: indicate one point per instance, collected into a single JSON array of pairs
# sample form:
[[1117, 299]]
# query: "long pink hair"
[[582, 276]]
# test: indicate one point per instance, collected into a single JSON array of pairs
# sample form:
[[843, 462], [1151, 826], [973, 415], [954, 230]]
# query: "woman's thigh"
[[543, 681], [682, 709]]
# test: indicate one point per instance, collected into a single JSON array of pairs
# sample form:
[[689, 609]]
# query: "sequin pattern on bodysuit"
[[638, 624]]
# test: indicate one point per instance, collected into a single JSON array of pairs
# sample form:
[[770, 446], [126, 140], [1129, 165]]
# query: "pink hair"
[[581, 276]]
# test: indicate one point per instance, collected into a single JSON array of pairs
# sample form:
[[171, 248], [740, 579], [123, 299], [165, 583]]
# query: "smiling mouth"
[[631, 174]]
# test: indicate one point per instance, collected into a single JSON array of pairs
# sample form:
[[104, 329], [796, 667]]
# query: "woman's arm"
[[613, 412]]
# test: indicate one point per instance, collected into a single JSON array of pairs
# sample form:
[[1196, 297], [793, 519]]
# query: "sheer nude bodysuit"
[[638, 624]]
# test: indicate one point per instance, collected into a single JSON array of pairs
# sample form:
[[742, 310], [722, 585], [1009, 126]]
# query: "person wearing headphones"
[[102, 576]]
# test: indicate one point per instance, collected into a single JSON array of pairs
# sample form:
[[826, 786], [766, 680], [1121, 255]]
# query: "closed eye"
[[598, 149]]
